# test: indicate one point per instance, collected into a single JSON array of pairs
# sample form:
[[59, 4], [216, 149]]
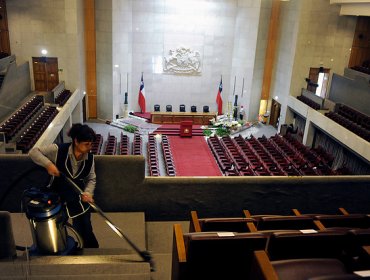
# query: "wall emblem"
[[182, 61]]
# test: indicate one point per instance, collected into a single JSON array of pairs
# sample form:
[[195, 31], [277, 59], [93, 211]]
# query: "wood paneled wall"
[[90, 54], [270, 50], [4, 31], [361, 43]]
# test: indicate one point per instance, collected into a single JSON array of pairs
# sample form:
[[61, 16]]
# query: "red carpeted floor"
[[192, 157]]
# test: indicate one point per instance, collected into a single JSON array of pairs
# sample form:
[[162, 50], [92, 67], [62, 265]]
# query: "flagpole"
[[234, 86], [242, 87], [125, 103]]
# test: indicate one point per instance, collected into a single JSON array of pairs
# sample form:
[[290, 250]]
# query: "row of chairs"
[[222, 158], [319, 161], [271, 247], [261, 159], [36, 129], [137, 145], [124, 144], [239, 160], [182, 108], [362, 69], [264, 158], [354, 115], [350, 125], [272, 222], [153, 164], [111, 145], [97, 145], [63, 97], [258, 163], [167, 156], [277, 156], [309, 102], [19, 119], [306, 160]]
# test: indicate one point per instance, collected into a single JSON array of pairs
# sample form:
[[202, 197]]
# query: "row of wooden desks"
[[177, 117]]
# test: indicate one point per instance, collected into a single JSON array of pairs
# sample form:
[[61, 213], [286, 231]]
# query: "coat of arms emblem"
[[182, 60]]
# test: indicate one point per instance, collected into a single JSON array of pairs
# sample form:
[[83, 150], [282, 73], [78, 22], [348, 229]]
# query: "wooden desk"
[[177, 117]]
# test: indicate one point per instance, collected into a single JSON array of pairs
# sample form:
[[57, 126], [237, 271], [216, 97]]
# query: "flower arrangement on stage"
[[222, 126]]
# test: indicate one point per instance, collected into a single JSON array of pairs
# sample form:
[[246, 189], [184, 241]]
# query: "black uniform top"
[[68, 194]]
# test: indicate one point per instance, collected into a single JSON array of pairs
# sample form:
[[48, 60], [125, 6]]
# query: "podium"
[[186, 129]]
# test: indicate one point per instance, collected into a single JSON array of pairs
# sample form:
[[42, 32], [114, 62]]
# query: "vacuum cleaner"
[[49, 224]]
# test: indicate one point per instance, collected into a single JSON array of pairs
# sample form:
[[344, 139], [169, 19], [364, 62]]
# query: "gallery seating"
[[321, 245], [32, 134], [309, 102], [21, 117], [232, 224], [285, 223], [358, 123], [63, 97], [295, 247], [344, 221], [211, 255], [299, 269], [362, 69]]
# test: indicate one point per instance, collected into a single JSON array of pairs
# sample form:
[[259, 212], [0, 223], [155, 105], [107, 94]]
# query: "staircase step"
[[81, 277], [132, 225], [76, 267]]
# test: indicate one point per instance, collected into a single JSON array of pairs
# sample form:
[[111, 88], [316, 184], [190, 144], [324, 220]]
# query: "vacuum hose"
[[145, 255]]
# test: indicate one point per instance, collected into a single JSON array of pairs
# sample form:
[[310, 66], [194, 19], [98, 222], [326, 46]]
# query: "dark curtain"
[[343, 158]]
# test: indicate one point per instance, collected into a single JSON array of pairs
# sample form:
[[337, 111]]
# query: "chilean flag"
[[142, 95], [219, 98]]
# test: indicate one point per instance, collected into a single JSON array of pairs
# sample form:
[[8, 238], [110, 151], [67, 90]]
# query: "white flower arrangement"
[[221, 126]]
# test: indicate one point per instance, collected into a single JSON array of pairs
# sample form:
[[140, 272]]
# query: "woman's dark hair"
[[82, 133]]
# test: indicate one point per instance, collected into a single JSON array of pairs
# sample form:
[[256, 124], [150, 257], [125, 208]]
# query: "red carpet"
[[192, 157]]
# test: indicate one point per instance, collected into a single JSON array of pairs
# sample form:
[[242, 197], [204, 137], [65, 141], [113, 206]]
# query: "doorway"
[[45, 73], [318, 80], [275, 113]]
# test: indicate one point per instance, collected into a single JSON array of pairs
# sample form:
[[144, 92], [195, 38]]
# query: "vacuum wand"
[[145, 255]]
